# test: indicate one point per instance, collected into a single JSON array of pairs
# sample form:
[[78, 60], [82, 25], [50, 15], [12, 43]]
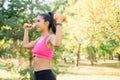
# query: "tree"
[[94, 23], [15, 15]]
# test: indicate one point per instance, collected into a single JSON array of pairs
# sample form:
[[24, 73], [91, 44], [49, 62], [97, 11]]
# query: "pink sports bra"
[[41, 50]]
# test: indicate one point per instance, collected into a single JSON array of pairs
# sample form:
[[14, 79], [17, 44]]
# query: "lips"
[[37, 27]]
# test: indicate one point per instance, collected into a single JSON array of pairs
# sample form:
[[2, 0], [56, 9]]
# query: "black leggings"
[[44, 75]]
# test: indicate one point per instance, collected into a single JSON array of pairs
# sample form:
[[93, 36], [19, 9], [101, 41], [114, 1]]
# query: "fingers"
[[65, 18], [59, 17], [28, 26]]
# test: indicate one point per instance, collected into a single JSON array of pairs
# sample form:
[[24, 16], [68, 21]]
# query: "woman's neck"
[[44, 33]]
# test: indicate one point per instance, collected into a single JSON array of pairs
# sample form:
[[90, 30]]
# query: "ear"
[[47, 23]]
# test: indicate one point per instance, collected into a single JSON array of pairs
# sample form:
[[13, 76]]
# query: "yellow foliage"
[[91, 22], [2, 44], [117, 50], [6, 27]]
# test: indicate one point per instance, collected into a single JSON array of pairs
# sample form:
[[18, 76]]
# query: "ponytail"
[[52, 22]]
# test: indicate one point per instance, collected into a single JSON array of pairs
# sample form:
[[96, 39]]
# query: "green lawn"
[[109, 70]]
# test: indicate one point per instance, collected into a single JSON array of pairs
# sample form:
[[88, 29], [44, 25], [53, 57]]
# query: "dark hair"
[[52, 22]]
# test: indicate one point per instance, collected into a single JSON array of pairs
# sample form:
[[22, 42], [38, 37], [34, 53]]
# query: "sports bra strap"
[[46, 37]]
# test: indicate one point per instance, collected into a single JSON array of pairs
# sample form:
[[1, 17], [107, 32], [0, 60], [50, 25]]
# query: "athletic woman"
[[43, 46]]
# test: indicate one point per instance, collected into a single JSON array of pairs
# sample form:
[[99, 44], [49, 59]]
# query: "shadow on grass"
[[8, 79], [108, 65], [3, 67], [65, 68], [111, 65], [5, 79]]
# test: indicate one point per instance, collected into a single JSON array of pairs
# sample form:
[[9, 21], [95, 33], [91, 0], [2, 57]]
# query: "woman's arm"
[[58, 37], [26, 42]]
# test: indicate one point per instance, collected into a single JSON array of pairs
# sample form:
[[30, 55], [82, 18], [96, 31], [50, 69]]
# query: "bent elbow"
[[24, 46], [58, 44]]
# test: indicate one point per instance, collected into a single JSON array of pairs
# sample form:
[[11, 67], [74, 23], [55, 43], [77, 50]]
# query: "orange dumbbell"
[[56, 17], [26, 25]]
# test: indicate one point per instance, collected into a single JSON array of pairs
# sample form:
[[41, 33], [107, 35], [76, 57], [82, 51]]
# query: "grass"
[[108, 70], [5, 75]]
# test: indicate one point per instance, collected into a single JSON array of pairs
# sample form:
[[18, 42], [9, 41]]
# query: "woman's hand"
[[26, 42], [27, 26], [59, 17]]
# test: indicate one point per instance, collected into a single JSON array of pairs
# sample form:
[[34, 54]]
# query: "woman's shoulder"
[[52, 36], [38, 38]]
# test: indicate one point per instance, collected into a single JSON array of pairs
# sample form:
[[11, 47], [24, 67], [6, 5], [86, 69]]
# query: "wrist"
[[58, 24], [26, 30], [58, 21]]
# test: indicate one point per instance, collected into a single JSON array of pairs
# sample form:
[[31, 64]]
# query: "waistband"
[[43, 71]]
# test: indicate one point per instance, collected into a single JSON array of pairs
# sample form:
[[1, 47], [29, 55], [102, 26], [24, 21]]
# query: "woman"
[[43, 47]]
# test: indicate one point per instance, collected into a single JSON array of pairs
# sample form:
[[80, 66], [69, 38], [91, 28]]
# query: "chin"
[[38, 30]]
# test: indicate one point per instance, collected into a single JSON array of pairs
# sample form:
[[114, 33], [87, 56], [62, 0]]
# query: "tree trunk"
[[31, 56], [92, 59], [92, 55], [111, 57], [118, 57], [78, 56], [30, 64]]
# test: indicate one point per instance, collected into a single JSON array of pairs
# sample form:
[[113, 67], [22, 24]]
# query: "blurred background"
[[91, 39]]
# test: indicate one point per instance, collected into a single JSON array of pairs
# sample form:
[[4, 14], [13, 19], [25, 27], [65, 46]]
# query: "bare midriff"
[[41, 64]]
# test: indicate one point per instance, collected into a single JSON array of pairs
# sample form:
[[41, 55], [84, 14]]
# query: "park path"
[[87, 77], [109, 71], [90, 73]]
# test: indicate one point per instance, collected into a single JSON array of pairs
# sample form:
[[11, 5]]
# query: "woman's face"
[[41, 25]]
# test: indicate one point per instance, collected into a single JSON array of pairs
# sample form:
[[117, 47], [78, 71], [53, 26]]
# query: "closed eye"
[[37, 20]]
